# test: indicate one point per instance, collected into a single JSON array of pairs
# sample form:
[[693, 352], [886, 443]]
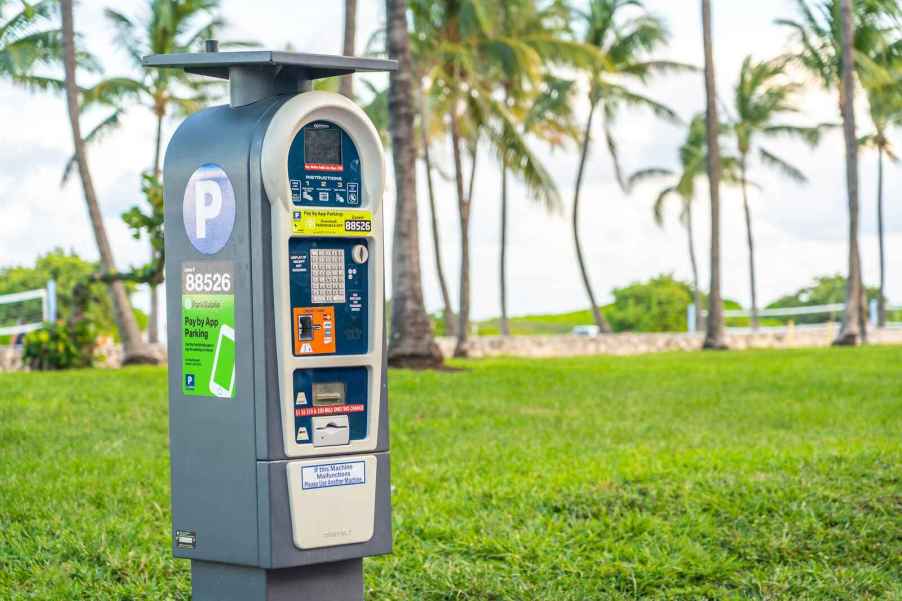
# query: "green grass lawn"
[[773, 475]]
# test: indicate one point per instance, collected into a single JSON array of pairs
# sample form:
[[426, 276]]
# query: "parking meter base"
[[336, 581]]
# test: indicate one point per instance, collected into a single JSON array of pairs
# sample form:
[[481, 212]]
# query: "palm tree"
[[460, 51], [692, 156], [682, 184], [855, 310], [411, 342], [168, 26], [446, 40], [624, 42], [350, 31], [715, 335], [135, 349], [759, 101], [536, 99], [885, 107], [28, 43], [448, 317], [549, 118], [837, 39]]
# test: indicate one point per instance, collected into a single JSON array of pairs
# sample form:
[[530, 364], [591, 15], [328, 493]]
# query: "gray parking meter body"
[[275, 300]]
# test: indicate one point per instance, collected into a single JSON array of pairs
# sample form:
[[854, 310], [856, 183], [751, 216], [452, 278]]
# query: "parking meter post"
[[278, 408]]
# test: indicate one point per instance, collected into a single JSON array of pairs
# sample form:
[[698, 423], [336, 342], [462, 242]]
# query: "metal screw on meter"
[[360, 254]]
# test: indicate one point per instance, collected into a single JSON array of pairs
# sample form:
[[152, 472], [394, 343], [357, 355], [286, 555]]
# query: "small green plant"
[[61, 345]]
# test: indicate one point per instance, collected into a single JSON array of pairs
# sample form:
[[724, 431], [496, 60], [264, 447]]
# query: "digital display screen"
[[322, 148]]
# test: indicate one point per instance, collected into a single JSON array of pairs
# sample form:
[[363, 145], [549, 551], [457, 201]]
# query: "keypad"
[[327, 275]]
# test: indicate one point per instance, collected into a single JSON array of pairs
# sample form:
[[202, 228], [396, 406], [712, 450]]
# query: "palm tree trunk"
[[751, 243], [158, 143], [881, 300], [411, 342], [134, 348], [854, 328], [463, 210], [448, 313], [715, 336], [464, 318], [696, 291], [346, 86], [153, 325], [600, 321], [505, 327]]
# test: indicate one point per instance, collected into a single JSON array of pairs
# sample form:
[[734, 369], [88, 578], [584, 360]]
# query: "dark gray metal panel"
[[223, 582], [264, 515], [382, 438], [283, 553], [253, 83], [266, 389], [212, 440], [339, 581], [269, 410]]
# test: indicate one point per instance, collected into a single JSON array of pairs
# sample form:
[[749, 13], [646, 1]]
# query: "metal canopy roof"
[[299, 64]]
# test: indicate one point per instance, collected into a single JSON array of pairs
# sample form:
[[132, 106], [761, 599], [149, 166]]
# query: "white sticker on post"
[[328, 475]]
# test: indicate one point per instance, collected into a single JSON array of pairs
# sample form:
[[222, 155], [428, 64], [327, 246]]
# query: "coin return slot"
[[330, 431], [328, 393]]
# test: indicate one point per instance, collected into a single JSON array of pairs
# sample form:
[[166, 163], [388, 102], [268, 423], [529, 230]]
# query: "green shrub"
[[656, 305], [825, 290], [61, 345]]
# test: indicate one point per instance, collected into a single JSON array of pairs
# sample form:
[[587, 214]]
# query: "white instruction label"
[[327, 475]]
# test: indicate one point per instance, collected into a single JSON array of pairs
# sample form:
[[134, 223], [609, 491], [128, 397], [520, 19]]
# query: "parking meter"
[[275, 300]]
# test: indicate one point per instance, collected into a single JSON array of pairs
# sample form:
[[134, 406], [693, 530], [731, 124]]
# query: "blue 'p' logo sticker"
[[208, 209]]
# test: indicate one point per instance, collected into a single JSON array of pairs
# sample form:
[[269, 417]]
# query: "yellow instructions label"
[[331, 222]]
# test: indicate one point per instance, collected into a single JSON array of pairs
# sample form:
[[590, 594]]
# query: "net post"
[[50, 303]]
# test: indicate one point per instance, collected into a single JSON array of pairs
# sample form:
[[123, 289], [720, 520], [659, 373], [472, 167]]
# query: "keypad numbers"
[[327, 275]]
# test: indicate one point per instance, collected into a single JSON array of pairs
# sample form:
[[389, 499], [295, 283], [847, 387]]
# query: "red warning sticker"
[[324, 167], [329, 410]]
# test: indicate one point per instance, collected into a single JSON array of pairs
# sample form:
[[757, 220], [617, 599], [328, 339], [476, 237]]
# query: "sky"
[[800, 230]]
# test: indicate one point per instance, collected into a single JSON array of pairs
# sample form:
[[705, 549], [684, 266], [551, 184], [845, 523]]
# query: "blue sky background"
[[801, 230]]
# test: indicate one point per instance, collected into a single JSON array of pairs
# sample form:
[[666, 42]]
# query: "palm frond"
[[23, 21], [98, 133], [659, 203], [113, 91], [616, 94], [615, 155], [787, 169], [127, 36], [810, 135], [645, 69], [517, 155], [651, 173]]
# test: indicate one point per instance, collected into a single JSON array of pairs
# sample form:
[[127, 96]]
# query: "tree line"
[[501, 79], [495, 77]]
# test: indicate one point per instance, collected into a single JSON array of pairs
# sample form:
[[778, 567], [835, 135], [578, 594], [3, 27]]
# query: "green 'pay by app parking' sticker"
[[208, 328]]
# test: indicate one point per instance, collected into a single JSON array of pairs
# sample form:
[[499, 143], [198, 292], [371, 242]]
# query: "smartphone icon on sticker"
[[222, 376]]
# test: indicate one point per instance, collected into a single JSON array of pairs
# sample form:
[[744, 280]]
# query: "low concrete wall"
[[106, 354], [109, 354], [636, 344]]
